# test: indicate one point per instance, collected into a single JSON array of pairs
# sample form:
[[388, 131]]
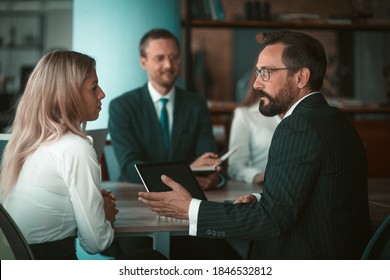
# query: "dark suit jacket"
[[315, 202], [137, 137]]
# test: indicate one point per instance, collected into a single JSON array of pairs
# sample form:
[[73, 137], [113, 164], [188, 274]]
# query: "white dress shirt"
[[57, 195], [251, 134], [156, 96]]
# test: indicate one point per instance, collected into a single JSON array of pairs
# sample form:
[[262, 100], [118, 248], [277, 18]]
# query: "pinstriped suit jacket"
[[315, 203], [136, 133]]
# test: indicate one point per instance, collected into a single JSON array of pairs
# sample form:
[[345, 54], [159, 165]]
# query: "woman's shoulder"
[[246, 110], [71, 138], [71, 143]]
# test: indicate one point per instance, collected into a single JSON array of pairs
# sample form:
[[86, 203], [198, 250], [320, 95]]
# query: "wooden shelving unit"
[[344, 29], [294, 24], [227, 108], [21, 41], [374, 131]]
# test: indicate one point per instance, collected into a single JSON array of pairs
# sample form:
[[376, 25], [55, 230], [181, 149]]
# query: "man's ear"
[[143, 61], [303, 76]]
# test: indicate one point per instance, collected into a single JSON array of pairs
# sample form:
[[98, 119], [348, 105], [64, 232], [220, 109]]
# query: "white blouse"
[[57, 195], [251, 134]]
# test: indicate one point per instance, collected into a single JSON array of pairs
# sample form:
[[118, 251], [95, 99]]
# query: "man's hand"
[[207, 159], [173, 203], [208, 182], [212, 180], [259, 178], [247, 198]]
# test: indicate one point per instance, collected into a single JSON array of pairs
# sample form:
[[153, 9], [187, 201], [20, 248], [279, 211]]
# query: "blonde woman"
[[50, 181]]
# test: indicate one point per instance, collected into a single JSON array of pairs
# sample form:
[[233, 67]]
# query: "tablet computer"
[[150, 174]]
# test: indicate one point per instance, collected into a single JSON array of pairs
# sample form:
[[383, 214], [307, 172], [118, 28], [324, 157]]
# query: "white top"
[[251, 134], [57, 195]]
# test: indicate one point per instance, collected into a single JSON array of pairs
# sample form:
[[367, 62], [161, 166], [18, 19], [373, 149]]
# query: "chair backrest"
[[12, 242], [99, 137], [376, 137], [378, 248], [3, 142], [111, 163]]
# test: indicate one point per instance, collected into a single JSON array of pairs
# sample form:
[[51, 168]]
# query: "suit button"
[[208, 232], [214, 233], [223, 233]]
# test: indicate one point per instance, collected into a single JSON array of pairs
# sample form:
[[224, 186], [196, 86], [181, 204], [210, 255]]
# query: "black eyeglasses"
[[265, 73]]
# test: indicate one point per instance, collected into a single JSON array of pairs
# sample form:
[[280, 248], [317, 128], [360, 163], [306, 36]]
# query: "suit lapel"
[[150, 109]]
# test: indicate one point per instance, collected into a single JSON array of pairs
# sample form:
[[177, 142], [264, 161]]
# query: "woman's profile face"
[[92, 95]]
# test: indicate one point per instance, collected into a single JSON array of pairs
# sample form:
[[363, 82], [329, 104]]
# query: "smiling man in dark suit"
[[315, 202], [137, 135], [136, 132]]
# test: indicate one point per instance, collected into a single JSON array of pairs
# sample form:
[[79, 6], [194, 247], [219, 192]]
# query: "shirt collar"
[[289, 112], [156, 96]]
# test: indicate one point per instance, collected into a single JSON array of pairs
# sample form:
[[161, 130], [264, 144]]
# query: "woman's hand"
[[110, 209]]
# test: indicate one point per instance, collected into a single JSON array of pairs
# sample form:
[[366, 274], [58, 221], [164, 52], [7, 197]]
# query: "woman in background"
[[50, 178], [251, 135]]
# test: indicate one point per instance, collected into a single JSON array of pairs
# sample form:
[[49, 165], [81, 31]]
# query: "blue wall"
[[110, 32]]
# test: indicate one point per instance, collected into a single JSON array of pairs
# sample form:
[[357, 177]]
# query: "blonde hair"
[[50, 106]]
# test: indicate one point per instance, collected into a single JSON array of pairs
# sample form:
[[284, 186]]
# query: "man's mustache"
[[261, 93]]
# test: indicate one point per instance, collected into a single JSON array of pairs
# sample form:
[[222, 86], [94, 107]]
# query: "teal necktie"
[[164, 122]]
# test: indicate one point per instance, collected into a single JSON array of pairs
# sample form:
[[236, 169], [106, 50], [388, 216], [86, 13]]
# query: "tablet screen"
[[179, 171]]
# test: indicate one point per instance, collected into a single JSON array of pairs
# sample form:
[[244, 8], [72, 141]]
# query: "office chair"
[[12, 242], [378, 247], [111, 163], [4, 137]]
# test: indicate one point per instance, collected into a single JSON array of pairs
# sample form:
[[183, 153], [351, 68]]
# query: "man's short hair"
[[301, 50], [155, 34]]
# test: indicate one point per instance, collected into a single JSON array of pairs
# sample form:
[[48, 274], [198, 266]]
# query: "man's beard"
[[277, 105], [167, 83]]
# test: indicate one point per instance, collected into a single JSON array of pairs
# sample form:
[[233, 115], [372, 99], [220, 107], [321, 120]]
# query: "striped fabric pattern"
[[315, 202]]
